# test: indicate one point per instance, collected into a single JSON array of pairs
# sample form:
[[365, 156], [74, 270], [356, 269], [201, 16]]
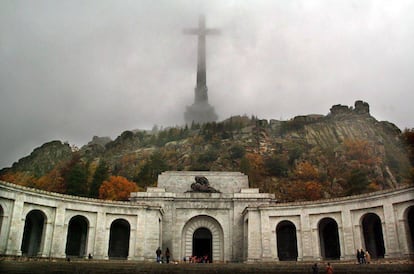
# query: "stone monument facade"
[[234, 223], [201, 111]]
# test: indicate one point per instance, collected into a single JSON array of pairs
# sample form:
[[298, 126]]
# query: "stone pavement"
[[121, 267]]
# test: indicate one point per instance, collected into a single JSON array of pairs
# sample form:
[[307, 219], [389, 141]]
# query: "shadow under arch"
[[287, 246], [77, 237], [33, 233], [329, 239], [119, 239], [1, 218], [410, 224], [373, 236], [202, 227]]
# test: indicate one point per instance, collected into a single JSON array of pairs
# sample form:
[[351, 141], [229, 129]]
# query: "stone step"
[[127, 267]]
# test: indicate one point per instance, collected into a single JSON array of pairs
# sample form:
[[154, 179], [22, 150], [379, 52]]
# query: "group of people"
[[199, 259], [328, 269], [160, 258], [363, 257]]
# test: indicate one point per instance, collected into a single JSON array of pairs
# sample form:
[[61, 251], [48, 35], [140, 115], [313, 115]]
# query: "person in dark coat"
[[158, 252], [167, 255], [315, 269]]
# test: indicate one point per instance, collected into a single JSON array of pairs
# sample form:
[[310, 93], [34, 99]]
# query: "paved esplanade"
[[201, 111]]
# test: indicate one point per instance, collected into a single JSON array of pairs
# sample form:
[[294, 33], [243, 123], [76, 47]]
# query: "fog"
[[72, 69]]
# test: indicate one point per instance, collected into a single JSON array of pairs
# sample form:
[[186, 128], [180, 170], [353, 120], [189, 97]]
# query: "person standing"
[[315, 269], [158, 252], [329, 269], [367, 257], [359, 256], [167, 255], [362, 256]]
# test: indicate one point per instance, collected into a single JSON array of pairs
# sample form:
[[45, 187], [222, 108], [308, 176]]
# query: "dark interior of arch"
[[287, 247], [119, 239], [410, 217], [77, 236], [329, 239], [374, 240], [203, 243], [1, 218], [32, 233]]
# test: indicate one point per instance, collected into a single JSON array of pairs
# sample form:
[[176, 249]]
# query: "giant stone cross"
[[201, 111]]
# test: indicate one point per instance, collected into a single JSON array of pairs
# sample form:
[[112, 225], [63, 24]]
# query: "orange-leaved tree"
[[117, 188]]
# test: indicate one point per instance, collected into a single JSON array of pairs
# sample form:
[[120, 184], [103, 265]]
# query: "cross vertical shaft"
[[201, 111]]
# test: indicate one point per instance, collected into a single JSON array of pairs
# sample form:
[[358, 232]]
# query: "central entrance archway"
[[203, 243], [203, 234]]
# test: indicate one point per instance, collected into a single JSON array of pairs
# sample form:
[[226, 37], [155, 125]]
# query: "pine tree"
[[101, 174]]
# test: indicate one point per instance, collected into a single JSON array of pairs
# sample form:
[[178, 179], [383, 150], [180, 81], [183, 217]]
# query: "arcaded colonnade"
[[238, 224], [382, 223]]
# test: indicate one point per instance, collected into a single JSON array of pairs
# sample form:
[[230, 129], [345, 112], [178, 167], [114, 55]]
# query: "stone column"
[[266, 236], [404, 237], [132, 241], [59, 233], [348, 248], [101, 237], [254, 247], [358, 237], [307, 253], [17, 224], [392, 248], [91, 238], [4, 229]]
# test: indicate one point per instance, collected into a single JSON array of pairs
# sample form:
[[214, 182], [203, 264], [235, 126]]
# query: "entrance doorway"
[[329, 239], [33, 233], [77, 237], [203, 244], [287, 248], [374, 240], [119, 239]]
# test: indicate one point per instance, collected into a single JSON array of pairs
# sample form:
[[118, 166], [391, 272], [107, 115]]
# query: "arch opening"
[[329, 239], [33, 233], [373, 237], [119, 239], [76, 241], [203, 244], [410, 219], [287, 247], [1, 218], [197, 233]]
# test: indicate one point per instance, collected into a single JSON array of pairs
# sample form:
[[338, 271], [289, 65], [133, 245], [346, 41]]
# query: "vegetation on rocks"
[[311, 157]]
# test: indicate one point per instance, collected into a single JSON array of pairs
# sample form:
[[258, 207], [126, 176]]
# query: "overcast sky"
[[72, 69]]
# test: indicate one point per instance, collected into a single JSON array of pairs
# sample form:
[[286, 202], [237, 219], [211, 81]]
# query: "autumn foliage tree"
[[117, 188], [19, 178]]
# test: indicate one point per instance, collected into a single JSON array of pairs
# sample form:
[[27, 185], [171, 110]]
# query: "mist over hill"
[[306, 158]]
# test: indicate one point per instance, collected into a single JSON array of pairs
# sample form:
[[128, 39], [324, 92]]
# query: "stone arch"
[[409, 216], [119, 236], [329, 239], [373, 236], [33, 233], [77, 237], [210, 224], [287, 245]]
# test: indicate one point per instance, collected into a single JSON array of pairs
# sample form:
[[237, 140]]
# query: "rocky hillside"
[[309, 157]]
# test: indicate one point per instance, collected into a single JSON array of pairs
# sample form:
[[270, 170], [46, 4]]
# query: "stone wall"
[[245, 225]]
